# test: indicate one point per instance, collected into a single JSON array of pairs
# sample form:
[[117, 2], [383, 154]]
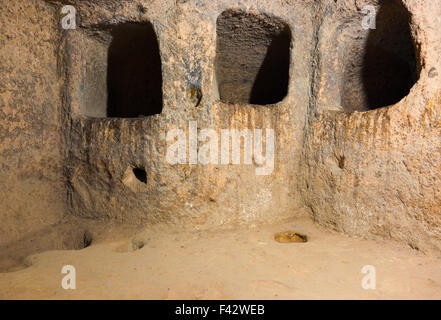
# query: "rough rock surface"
[[359, 149], [32, 187], [378, 173], [103, 151]]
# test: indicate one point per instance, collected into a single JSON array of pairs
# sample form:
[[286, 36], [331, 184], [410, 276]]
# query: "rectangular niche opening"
[[121, 74], [381, 66], [134, 75], [252, 58]]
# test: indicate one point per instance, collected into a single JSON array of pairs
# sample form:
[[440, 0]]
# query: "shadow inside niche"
[[134, 75], [271, 83], [389, 63]]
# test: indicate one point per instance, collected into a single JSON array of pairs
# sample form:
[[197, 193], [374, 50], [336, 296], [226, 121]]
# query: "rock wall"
[[377, 172], [105, 150], [32, 188], [355, 113]]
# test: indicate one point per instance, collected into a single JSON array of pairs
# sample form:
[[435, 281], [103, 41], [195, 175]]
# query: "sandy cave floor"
[[236, 263]]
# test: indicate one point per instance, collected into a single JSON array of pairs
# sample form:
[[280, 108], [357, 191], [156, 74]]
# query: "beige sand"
[[229, 264]]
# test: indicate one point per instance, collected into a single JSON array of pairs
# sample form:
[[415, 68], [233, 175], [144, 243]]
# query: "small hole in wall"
[[384, 71], [87, 239], [134, 76], [77, 239], [252, 58], [140, 174]]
